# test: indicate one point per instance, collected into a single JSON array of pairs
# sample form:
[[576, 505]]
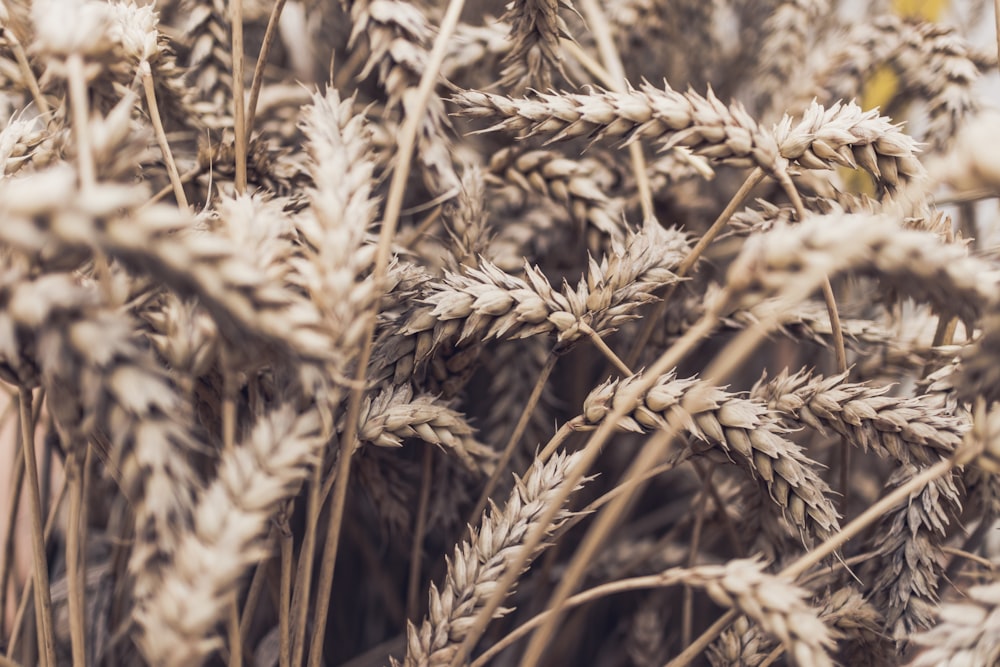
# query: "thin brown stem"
[[239, 102], [841, 354], [785, 181], [13, 506], [186, 177], [701, 643], [299, 605], [600, 27], [390, 220], [556, 441], [29, 75], [75, 576], [588, 62], [422, 228], [229, 446], [838, 333], [287, 541], [773, 656], [258, 71], [966, 196], [985, 562], [515, 437], [253, 595], [619, 489], [605, 350], [687, 611], [656, 314], [43, 601], [29, 585], [161, 136], [79, 102], [996, 18], [83, 528], [419, 530], [233, 629]]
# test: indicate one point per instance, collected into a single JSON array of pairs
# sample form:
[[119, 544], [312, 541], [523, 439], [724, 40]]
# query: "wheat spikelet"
[[841, 135], [731, 428], [910, 567], [741, 645], [467, 221], [210, 62], [479, 562], [844, 611], [200, 355], [966, 632], [905, 429], [225, 538], [136, 28], [183, 335], [703, 124], [909, 431], [335, 227], [60, 227], [20, 139], [785, 47], [777, 605], [916, 263], [577, 184], [535, 31], [492, 304], [933, 64], [103, 385], [486, 303], [475, 51], [398, 37], [395, 414]]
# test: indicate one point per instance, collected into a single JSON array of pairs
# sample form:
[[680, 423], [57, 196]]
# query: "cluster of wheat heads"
[[384, 332]]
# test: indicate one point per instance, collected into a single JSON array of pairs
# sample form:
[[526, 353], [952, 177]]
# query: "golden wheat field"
[[431, 333]]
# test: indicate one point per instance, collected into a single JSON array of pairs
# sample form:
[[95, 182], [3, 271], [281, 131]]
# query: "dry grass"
[[409, 364]]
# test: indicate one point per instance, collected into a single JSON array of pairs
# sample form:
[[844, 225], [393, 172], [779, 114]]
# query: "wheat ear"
[[728, 427], [477, 563], [230, 522]]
